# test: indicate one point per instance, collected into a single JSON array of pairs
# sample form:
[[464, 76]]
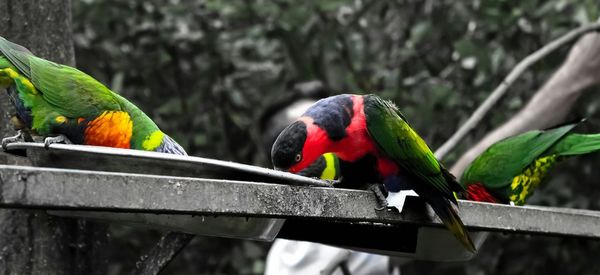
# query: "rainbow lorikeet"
[[511, 169], [53, 99], [368, 130]]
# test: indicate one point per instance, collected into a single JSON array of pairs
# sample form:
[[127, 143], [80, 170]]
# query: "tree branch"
[[553, 102], [162, 253], [517, 71]]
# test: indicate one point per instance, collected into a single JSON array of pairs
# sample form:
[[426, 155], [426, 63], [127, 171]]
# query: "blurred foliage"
[[205, 70]]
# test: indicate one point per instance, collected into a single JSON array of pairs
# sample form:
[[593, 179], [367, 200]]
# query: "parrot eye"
[[298, 158]]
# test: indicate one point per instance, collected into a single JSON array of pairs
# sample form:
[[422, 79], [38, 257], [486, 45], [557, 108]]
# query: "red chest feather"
[[478, 192], [358, 143], [111, 129]]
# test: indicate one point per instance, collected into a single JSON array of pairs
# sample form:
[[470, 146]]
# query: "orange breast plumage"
[[111, 128]]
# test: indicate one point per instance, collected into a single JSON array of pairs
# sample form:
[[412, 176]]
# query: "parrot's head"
[[299, 145]]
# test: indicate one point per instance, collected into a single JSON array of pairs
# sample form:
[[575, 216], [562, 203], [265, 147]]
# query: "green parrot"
[[57, 100], [371, 135], [511, 169]]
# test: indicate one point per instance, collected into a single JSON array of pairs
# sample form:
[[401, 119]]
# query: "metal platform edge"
[[156, 156], [48, 188]]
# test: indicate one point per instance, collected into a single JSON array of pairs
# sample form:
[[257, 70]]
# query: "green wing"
[[70, 91], [398, 141], [501, 162]]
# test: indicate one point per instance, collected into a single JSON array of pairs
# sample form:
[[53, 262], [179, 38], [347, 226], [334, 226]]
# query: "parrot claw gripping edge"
[[15, 138], [56, 139], [382, 202]]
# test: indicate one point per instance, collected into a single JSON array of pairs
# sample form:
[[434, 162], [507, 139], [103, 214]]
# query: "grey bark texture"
[[553, 102], [32, 242], [163, 252]]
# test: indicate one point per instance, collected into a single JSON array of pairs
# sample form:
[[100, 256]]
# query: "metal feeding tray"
[[309, 218], [109, 159], [142, 162]]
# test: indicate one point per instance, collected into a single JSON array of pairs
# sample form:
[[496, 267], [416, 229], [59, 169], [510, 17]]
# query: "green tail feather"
[[452, 221], [576, 144]]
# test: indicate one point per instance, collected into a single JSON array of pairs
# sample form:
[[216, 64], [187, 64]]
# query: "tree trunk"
[[32, 242]]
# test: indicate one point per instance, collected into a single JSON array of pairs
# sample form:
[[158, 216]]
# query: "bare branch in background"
[[550, 105], [487, 105]]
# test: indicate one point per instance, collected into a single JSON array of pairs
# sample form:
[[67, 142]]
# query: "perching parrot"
[[57, 100], [372, 132], [511, 169]]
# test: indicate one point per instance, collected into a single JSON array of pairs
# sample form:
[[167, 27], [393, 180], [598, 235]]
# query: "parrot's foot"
[[56, 139], [397, 199], [378, 190], [333, 183], [7, 140]]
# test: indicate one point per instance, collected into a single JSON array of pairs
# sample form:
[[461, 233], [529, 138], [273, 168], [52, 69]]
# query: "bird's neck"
[[478, 192], [317, 143], [145, 134]]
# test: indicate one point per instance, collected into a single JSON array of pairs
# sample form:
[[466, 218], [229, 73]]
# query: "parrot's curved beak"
[[289, 170]]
